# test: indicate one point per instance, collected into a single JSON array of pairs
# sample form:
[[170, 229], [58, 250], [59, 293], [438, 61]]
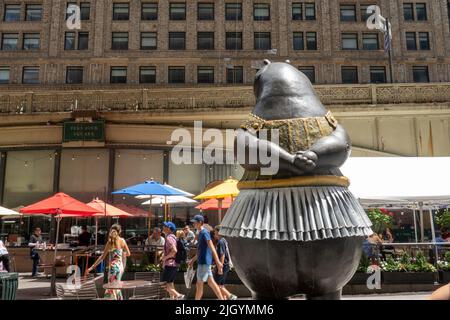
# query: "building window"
[[85, 11], [10, 41], [30, 75], [205, 74], [83, 40], [348, 12], [370, 41], [176, 74], [177, 40], [118, 75], [349, 41], [363, 10], [377, 75], [349, 74], [411, 43], [311, 41], [297, 11], [420, 74], [4, 75], [177, 11], [261, 11], [235, 75], [298, 41], [31, 41], [33, 12], [234, 40], [148, 40], [74, 75], [205, 41], [119, 41], [421, 11], [310, 72], [147, 75], [310, 11], [149, 11], [12, 12], [69, 41], [424, 41], [262, 41], [121, 11], [205, 11], [408, 13], [233, 11]]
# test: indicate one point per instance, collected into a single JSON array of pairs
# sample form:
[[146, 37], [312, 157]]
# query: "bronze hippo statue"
[[299, 230]]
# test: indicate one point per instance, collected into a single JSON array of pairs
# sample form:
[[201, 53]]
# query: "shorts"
[[169, 274], [221, 278], [203, 272]]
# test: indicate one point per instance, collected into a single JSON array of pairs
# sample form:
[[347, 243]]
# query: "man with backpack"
[[169, 260]]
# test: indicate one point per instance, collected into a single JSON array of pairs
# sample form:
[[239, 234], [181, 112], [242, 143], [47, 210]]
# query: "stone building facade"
[[319, 27]]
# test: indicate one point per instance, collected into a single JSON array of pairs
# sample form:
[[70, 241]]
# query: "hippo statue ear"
[[266, 62], [288, 61]]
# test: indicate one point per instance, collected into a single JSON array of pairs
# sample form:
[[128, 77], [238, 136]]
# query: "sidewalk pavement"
[[39, 289]]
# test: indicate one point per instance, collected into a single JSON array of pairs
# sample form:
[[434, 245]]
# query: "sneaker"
[[181, 297], [232, 297]]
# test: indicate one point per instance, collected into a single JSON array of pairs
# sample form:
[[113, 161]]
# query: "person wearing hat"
[[170, 265], [205, 254]]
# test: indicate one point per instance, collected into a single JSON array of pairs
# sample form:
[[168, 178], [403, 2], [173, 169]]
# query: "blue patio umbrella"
[[151, 188]]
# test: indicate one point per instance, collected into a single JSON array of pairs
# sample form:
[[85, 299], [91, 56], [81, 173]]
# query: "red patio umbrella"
[[60, 205]]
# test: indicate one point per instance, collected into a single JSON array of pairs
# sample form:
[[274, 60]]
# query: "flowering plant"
[[443, 265], [443, 219], [406, 263], [381, 219]]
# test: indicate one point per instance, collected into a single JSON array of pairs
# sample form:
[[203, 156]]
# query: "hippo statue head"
[[283, 92]]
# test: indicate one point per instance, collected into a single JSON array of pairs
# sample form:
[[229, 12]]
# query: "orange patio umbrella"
[[213, 204], [105, 210]]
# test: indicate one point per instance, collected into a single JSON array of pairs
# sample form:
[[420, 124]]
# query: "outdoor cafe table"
[[126, 285]]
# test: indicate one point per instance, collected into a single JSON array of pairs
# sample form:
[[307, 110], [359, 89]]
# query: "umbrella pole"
[[149, 217], [220, 211], [415, 225], [53, 281], [421, 222], [165, 208], [96, 232]]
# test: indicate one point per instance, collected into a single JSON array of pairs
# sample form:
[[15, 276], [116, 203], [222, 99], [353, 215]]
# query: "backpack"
[[182, 250]]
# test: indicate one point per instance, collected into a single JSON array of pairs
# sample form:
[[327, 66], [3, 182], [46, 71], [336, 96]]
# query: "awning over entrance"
[[396, 180]]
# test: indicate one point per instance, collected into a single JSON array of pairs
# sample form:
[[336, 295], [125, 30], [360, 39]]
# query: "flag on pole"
[[386, 29]]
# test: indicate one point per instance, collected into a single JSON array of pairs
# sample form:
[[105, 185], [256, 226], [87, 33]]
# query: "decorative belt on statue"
[[301, 181]]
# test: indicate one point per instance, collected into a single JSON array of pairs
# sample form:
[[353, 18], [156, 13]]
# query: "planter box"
[[359, 278], [444, 276], [408, 277]]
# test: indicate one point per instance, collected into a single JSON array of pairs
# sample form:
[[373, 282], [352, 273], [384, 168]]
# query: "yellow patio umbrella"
[[228, 188]]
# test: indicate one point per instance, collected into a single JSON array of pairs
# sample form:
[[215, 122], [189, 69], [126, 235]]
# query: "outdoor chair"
[[86, 291], [155, 291]]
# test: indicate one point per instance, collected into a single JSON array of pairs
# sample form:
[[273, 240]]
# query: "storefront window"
[[29, 177], [84, 173]]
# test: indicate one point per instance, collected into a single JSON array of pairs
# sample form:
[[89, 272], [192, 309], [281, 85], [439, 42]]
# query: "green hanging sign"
[[84, 131]]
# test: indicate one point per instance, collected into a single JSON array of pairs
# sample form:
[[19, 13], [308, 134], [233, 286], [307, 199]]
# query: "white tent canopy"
[[398, 180], [159, 200], [8, 212], [416, 183]]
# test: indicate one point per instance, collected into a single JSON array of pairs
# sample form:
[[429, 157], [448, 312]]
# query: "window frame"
[[154, 16], [176, 16], [118, 68], [31, 68], [142, 68], [266, 6], [372, 71], [142, 37], [232, 71], [30, 17], [172, 37], [341, 9], [117, 46], [170, 75], [17, 36], [347, 34], [239, 42], [203, 33], [350, 68], [74, 68], [24, 39], [205, 81], [258, 40], [117, 16], [5, 7], [374, 36], [208, 18], [238, 6]]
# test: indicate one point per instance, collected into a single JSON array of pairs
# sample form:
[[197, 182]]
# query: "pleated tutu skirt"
[[296, 213]]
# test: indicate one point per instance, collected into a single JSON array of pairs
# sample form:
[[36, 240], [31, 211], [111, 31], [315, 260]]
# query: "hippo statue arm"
[[251, 144], [331, 151]]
